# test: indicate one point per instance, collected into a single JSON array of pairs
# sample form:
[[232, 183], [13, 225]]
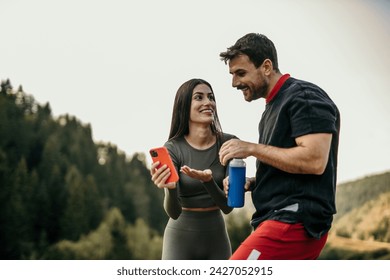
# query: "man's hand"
[[235, 148]]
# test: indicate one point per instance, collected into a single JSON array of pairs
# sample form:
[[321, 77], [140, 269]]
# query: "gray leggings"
[[196, 236]]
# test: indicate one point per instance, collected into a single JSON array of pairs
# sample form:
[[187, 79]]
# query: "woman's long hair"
[[182, 108]]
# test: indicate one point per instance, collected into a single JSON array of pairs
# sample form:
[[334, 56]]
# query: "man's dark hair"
[[256, 46]]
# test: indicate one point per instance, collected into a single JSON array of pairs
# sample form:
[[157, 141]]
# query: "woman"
[[196, 228]]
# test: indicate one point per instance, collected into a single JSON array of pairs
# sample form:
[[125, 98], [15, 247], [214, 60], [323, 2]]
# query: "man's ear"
[[267, 66]]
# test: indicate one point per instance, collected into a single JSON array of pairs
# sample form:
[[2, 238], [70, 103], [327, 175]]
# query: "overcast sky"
[[117, 64]]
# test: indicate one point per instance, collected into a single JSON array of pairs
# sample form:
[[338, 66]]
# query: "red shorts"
[[274, 240]]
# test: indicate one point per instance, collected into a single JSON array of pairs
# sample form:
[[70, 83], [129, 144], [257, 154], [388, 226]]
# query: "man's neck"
[[274, 78], [280, 79]]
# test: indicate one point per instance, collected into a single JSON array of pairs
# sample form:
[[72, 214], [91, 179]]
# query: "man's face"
[[246, 77]]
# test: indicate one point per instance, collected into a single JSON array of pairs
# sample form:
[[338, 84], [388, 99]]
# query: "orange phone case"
[[161, 154]]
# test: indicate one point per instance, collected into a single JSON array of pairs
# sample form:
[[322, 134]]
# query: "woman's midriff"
[[201, 209]]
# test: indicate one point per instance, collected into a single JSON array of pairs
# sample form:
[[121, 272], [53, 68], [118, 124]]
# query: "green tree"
[[17, 229], [143, 242], [4, 194], [56, 183], [75, 219]]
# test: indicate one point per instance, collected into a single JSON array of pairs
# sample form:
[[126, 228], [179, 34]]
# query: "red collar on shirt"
[[276, 88]]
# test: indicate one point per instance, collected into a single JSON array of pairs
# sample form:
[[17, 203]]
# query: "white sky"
[[117, 64]]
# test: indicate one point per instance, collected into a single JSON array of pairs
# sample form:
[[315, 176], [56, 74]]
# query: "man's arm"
[[310, 156]]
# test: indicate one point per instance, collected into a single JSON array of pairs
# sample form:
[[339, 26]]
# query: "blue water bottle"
[[237, 180]]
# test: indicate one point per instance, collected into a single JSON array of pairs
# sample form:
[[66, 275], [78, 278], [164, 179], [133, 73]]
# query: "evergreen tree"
[[4, 194], [16, 229], [56, 183], [75, 219]]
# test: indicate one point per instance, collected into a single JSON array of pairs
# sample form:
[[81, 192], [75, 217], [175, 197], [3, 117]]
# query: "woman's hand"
[[161, 175], [249, 182], [202, 175]]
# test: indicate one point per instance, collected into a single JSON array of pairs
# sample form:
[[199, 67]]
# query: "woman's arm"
[[216, 193], [172, 204]]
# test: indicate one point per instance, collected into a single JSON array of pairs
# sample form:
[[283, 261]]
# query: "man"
[[294, 189]]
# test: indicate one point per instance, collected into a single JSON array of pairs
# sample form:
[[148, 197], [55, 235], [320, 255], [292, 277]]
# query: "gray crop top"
[[190, 192]]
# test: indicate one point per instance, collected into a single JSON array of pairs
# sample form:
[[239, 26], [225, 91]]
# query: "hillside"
[[354, 194], [364, 208], [361, 228], [371, 221], [61, 192], [341, 248]]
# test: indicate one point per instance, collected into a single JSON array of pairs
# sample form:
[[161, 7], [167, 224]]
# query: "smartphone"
[[161, 154]]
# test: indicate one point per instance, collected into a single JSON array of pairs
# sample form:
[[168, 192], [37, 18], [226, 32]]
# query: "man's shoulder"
[[298, 85]]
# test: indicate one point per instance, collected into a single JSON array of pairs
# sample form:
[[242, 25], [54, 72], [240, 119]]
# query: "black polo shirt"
[[298, 108]]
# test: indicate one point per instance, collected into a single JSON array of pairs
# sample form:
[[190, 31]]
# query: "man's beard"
[[260, 91]]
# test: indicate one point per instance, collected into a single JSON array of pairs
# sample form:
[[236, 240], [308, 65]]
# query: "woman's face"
[[202, 105]]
